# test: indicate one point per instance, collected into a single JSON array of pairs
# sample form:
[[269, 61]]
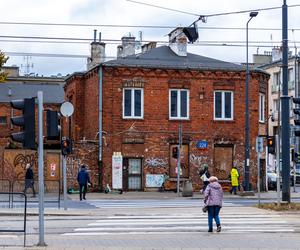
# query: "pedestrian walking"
[[204, 176], [213, 198], [234, 176], [29, 181], [83, 179]]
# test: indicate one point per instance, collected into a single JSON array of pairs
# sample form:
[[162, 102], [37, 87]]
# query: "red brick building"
[[13, 158], [144, 98]]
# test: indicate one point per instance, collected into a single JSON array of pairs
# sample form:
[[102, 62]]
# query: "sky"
[[221, 37]]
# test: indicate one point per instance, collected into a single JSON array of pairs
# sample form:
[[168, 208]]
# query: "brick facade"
[[150, 139]]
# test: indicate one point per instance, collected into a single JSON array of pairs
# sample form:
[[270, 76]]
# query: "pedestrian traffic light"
[[53, 125], [296, 100], [175, 152], [271, 144], [27, 122], [66, 146]]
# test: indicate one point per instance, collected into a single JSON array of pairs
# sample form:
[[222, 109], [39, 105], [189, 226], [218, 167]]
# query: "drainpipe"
[[100, 165]]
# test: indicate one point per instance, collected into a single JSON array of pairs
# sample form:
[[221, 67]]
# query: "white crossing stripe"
[[184, 223], [150, 203]]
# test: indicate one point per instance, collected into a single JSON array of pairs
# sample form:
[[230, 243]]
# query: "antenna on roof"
[[27, 66]]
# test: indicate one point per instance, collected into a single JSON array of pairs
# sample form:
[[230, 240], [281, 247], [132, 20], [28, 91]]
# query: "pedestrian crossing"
[[183, 223], [151, 203]]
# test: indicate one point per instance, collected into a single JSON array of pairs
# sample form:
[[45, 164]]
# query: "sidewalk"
[[171, 195], [74, 198]]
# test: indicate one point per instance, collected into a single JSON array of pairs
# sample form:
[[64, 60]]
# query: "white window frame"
[[132, 116], [262, 99], [179, 117], [222, 118]]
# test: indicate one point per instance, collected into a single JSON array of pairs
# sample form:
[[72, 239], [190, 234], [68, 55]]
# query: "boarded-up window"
[[184, 162], [223, 160]]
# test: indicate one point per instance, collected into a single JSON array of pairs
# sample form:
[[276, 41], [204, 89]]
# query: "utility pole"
[[41, 169], [285, 111]]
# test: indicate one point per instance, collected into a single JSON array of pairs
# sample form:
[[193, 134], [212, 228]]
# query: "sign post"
[[259, 149], [66, 109]]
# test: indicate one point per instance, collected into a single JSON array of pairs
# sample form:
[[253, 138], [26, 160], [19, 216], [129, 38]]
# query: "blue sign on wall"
[[202, 144]]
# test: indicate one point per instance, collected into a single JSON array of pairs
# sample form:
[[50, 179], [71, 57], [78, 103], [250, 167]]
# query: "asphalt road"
[[156, 224]]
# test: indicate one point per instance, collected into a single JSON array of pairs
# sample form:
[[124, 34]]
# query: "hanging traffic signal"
[[175, 152], [53, 125], [296, 100], [66, 146], [271, 144], [27, 122]]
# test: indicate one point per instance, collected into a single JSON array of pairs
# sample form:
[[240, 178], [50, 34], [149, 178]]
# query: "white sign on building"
[[117, 170]]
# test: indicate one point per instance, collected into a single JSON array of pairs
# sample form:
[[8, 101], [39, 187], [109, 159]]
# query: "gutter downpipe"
[[100, 174]]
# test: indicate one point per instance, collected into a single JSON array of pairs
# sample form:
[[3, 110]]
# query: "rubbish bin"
[[187, 190]]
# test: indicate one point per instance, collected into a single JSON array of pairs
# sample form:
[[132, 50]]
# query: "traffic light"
[[296, 100], [295, 156], [175, 152], [66, 146], [271, 144], [53, 125], [27, 122]]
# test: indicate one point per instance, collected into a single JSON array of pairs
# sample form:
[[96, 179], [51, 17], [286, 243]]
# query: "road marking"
[[180, 223]]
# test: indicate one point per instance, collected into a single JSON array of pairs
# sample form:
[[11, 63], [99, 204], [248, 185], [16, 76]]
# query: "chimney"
[[97, 52], [178, 42], [276, 53], [127, 48], [146, 47]]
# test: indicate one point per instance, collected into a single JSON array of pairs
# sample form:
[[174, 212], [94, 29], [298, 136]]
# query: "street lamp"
[[247, 130]]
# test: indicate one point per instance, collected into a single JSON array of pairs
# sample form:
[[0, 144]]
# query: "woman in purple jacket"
[[213, 197]]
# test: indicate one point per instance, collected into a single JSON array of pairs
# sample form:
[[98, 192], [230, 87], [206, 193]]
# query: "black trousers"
[[29, 184], [82, 190]]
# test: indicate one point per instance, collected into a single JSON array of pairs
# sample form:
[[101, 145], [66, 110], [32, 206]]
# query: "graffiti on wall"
[[155, 162], [15, 165], [154, 180], [198, 160], [73, 165]]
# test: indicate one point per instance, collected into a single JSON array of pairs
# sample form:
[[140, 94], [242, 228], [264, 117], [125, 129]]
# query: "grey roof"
[[52, 93], [164, 57]]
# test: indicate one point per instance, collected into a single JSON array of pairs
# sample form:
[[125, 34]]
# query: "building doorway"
[[132, 174], [223, 161]]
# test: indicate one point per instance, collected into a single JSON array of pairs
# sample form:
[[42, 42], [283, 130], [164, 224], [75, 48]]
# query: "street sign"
[[202, 144], [259, 144]]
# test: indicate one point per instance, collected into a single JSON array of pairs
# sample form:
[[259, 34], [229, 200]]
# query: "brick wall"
[[157, 131]]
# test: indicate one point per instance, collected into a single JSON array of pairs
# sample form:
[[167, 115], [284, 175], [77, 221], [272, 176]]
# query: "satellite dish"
[[67, 109]]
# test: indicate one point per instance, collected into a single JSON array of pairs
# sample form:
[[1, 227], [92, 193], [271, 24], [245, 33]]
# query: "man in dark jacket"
[[29, 182], [83, 179]]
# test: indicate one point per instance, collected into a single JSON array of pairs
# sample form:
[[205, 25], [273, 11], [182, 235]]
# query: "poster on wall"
[[154, 180], [117, 170]]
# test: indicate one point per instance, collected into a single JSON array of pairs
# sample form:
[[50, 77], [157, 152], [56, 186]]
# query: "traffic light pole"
[[64, 160], [178, 158], [285, 111], [41, 168], [278, 168]]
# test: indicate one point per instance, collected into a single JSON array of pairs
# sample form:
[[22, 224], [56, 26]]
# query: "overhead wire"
[[211, 15]]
